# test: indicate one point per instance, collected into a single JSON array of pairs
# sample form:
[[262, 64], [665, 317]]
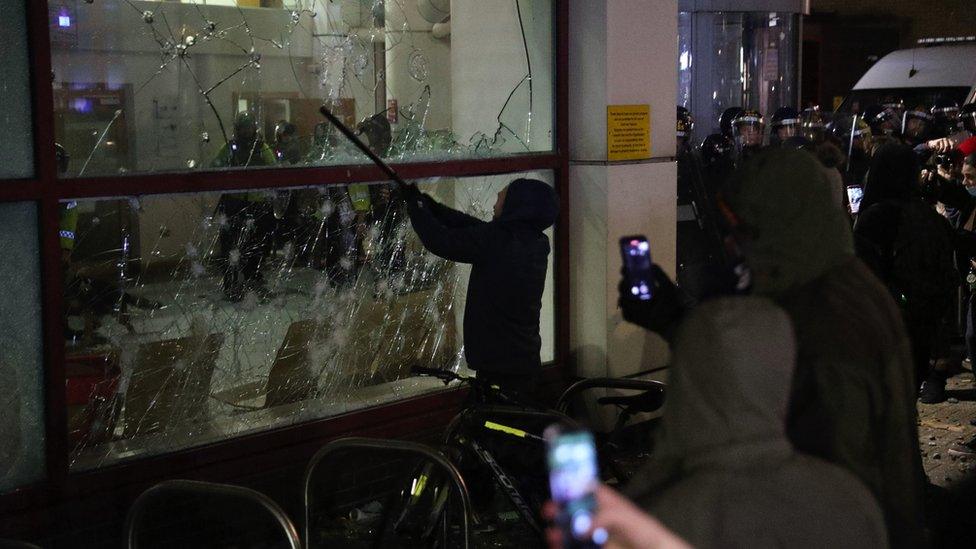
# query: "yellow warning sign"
[[628, 132]]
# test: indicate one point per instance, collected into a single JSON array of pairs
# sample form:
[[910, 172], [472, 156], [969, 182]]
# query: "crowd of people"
[[818, 289], [817, 292]]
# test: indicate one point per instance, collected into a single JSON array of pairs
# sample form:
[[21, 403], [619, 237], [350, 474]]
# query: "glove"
[[410, 192], [663, 312]]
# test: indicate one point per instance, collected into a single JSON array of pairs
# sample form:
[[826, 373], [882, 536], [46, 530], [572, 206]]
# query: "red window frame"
[[46, 190]]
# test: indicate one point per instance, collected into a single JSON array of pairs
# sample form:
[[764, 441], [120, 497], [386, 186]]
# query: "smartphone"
[[636, 254], [854, 195], [573, 477]]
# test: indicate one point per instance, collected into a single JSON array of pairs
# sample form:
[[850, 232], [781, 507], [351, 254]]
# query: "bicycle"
[[475, 441], [490, 420], [612, 445]]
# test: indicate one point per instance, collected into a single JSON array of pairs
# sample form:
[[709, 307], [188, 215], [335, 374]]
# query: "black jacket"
[[509, 258]]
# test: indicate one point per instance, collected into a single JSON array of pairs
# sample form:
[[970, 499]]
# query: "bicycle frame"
[[462, 432], [508, 486]]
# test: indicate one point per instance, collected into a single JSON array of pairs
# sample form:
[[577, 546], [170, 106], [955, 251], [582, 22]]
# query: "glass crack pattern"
[[198, 317], [193, 318], [153, 86]]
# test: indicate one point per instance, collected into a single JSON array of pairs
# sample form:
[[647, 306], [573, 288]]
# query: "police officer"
[[917, 125], [699, 250], [895, 105], [946, 114], [248, 224], [748, 129], [967, 118], [718, 151], [245, 148], [812, 125], [882, 121], [287, 147], [684, 128], [855, 137], [784, 124]]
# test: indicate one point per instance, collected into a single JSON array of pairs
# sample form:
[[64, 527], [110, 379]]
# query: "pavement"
[[951, 501], [947, 423]]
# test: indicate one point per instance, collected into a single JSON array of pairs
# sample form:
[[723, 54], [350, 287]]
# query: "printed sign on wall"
[[628, 132]]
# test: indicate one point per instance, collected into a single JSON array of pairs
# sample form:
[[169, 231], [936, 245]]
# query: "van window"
[[858, 100]]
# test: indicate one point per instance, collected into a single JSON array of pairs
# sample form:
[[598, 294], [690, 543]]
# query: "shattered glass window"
[[17, 154], [144, 86], [192, 318], [22, 439]]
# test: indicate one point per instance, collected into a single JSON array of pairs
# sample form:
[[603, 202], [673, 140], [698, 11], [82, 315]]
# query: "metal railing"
[[605, 383], [193, 487], [394, 446]]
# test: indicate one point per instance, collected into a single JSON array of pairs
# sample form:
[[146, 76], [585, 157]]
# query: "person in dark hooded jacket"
[[910, 248], [853, 397], [509, 257]]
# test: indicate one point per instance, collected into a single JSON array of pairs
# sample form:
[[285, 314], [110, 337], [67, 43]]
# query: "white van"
[[919, 76]]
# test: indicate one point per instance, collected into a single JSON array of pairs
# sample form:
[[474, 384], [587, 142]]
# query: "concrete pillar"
[[622, 52]]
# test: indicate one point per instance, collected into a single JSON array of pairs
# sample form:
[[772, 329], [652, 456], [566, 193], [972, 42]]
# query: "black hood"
[[893, 175], [530, 202]]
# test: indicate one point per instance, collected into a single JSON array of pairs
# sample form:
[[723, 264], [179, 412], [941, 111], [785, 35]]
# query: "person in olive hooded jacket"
[[853, 396], [509, 257], [723, 473]]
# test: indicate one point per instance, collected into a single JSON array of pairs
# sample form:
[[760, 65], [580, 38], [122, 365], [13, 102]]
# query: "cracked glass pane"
[[192, 318], [16, 155], [22, 441], [145, 86]]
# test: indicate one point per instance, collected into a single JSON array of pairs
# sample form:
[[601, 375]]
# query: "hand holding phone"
[[573, 478], [636, 254], [854, 195]]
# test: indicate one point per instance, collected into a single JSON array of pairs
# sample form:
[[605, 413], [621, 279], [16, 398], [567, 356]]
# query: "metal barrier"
[[606, 383], [393, 446], [136, 512], [15, 544]]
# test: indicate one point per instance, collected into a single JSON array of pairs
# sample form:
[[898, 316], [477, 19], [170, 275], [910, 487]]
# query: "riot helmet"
[[716, 147], [812, 124], [946, 114], [748, 128], [63, 158], [378, 132], [785, 124], [287, 146], [918, 124], [245, 129], [967, 117], [685, 126], [894, 104], [882, 120], [853, 133], [725, 121]]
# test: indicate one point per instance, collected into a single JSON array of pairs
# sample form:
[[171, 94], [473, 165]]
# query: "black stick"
[[362, 146]]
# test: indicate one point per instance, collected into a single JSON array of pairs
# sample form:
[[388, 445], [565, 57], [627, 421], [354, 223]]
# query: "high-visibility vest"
[[68, 226], [359, 196]]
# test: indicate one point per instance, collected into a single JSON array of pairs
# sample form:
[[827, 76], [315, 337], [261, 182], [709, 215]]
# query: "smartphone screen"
[[573, 476], [854, 195], [636, 254]]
